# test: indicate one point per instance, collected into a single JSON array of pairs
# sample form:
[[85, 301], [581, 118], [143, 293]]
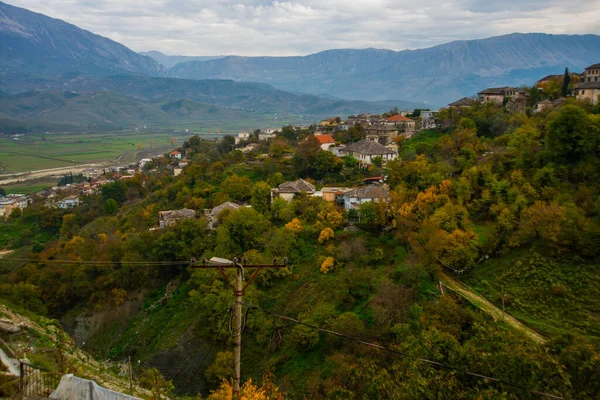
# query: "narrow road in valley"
[[25, 176], [486, 306]]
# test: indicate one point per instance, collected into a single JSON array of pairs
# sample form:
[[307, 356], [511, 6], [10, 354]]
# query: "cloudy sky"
[[298, 27]]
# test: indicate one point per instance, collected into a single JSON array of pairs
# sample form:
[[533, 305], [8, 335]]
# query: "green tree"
[[261, 197], [306, 156], [566, 82], [327, 163], [50, 218], [2, 191], [226, 144], [110, 207], [116, 191], [569, 134], [240, 231], [237, 187]]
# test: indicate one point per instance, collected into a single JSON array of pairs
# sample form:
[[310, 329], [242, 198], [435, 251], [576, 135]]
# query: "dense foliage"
[[507, 199]]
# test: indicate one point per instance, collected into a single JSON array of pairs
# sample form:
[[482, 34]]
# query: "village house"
[[242, 136], [333, 194], [69, 202], [589, 88], [465, 102], [497, 95], [383, 134], [325, 141], [366, 150], [266, 136], [7, 206], [288, 190], [545, 104], [168, 218], [404, 124], [213, 214], [375, 193], [144, 161], [176, 154], [364, 119]]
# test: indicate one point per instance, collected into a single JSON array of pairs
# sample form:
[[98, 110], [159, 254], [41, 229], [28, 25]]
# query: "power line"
[[397, 352], [225, 319]]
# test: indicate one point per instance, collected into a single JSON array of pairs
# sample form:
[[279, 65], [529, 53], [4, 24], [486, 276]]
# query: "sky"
[[284, 28]]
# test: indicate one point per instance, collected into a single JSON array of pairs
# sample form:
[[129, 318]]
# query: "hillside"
[[95, 111], [249, 96], [170, 61], [34, 43], [437, 75]]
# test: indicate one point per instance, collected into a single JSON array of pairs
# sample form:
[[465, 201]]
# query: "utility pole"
[[238, 291]]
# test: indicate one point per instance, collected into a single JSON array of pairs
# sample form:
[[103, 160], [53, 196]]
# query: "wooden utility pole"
[[238, 291]]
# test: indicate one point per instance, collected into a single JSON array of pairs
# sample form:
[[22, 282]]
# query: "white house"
[[144, 161], [325, 141], [365, 150], [355, 197], [266, 136], [242, 136], [176, 154], [69, 202]]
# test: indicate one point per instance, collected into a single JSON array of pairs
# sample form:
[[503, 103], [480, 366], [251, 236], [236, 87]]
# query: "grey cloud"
[[289, 27]]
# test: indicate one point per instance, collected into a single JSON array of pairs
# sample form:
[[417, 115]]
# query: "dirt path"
[[486, 306], [5, 252], [25, 176]]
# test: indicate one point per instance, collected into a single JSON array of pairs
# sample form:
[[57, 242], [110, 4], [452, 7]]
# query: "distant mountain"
[[248, 96], [169, 61], [437, 75], [69, 111], [35, 43]]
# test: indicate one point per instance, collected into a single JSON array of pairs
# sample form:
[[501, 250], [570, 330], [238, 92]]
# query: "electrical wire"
[[217, 336], [397, 352]]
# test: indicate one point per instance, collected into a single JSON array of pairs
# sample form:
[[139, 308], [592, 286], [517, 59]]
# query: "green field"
[[41, 151]]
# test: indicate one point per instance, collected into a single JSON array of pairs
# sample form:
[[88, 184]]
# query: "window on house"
[[583, 92]]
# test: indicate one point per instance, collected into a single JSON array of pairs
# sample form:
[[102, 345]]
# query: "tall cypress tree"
[[566, 82]]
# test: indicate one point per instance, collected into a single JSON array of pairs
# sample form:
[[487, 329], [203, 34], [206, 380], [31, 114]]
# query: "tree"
[[248, 391], [237, 187], [226, 144], [220, 369], [325, 235], [304, 160], [294, 226], [116, 191], [327, 265], [569, 134], [566, 82], [2, 191], [110, 207], [50, 218], [153, 380], [261, 196], [277, 148], [240, 231], [327, 163]]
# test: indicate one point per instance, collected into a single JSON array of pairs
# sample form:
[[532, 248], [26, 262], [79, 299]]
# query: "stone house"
[[381, 133], [589, 88], [168, 218], [366, 150], [464, 102], [213, 214], [375, 193], [288, 190], [404, 124]]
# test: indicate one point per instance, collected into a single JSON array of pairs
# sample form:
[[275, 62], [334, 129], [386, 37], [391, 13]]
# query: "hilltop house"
[[365, 150], [266, 136], [69, 202], [375, 193], [242, 136], [212, 215], [176, 154], [464, 102], [288, 190], [168, 218], [364, 119], [497, 95], [325, 141], [404, 124], [589, 88]]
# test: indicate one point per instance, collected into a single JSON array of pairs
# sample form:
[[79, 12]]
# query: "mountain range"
[[44, 54], [436, 75]]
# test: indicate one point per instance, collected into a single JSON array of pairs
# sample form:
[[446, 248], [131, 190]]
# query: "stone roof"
[[496, 91], [224, 206], [464, 102], [381, 128], [368, 192], [594, 66], [588, 85], [183, 213], [367, 147], [298, 186]]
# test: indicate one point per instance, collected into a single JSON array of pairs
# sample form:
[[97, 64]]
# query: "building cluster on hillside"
[[584, 86], [12, 201]]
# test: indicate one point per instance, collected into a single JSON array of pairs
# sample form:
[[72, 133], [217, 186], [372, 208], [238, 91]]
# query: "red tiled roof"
[[398, 117], [323, 139], [173, 153]]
